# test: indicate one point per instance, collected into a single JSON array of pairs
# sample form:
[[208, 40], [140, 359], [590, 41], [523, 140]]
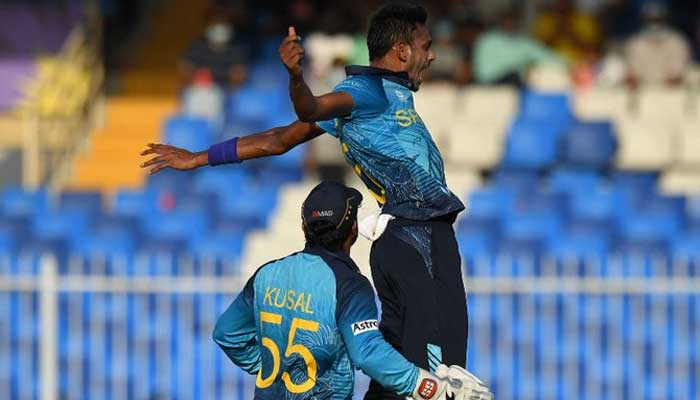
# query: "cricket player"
[[415, 260], [304, 321]]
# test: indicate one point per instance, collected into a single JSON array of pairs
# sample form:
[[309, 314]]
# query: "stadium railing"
[[560, 329]]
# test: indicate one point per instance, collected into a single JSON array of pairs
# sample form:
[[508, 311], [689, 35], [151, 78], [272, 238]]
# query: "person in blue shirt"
[[415, 261], [303, 322]]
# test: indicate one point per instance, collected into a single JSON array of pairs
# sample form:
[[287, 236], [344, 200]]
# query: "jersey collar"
[[338, 255], [400, 77]]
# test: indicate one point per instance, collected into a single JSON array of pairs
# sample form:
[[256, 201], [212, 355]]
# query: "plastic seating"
[[253, 104], [70, 225], [645, 144], [17, 201], [520, 180], [589, 144], [135, 203], [531, 144], [220, 179], [688, 155], [177, 225], [490, 201], [193, 134], [597, 104], [551, 107], [171, 181], [249, 203], [573, 181], [219, 245], [87, 202], [474, 143]]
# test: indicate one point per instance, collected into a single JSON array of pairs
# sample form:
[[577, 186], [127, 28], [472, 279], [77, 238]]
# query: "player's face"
[[421, 55]]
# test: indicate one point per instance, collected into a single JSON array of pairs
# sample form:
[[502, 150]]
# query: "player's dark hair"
[[393, 23], [325, 234]]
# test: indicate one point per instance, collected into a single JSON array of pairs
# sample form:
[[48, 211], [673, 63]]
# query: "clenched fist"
[[291, 53]]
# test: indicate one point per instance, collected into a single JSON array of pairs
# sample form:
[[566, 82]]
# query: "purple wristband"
[[224, 152]]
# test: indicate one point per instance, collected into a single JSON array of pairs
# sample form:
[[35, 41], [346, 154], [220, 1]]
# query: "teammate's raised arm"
[[308, 107], [272, 142]]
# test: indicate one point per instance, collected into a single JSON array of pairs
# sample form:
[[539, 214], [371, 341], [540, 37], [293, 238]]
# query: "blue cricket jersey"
[[302, 323], [389, 147]]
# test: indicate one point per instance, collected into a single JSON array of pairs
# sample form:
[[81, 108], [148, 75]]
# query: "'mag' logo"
[[406, 118], [364, 326]]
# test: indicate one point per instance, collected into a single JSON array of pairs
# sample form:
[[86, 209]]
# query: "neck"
[[386, 63], [346, 248]]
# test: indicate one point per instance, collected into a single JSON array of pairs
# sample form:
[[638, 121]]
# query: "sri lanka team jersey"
[[389, 147], [303, 322]]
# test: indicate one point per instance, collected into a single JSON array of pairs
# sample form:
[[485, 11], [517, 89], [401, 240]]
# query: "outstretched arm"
[[308, 107], [272, 142]]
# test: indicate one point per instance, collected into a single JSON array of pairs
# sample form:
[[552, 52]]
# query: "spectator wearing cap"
[[217, 51], [658, 54]]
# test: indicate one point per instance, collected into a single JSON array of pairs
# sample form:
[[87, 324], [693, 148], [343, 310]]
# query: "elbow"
[[306, 117], [219, 333]]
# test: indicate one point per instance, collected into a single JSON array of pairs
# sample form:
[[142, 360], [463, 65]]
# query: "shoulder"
[[367, 92]]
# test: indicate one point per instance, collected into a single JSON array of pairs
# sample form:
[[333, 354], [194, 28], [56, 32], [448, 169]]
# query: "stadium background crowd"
[[570, 128]]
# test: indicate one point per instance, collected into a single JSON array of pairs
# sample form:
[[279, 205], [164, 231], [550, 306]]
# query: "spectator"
[[571, 33], [503, 54], [217, 51], [658, 54], [203, 99]]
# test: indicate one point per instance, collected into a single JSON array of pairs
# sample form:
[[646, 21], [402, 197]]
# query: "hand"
[[464, 385], [291, 53], [172, 157]]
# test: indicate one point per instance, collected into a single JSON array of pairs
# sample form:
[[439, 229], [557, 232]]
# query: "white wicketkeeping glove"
[[468, 386], [430, 386]]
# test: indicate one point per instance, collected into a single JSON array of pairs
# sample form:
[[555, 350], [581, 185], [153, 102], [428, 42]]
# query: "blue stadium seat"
[[220, 179], [648, 233], [579, 245], [589, 144], [237, 224], [135, 203], [193, 134], [177, 225], [117, 223], [19, 202], [13, 230], [599, 204], [269, 74], [196, 202], [573, 181], [249, 203], [107, 243], [529, 232], [477, 235], [490, 201], [551, 107], [638, 183], [254, 104], [170, 181], [687, 246], [518, 179], [70, 225], [219, 245], [86, 202], [531, 144], [541, 203]]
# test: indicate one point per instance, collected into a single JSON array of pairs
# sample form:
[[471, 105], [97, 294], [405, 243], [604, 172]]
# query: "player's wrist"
[[428, 386], [223, 153]]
